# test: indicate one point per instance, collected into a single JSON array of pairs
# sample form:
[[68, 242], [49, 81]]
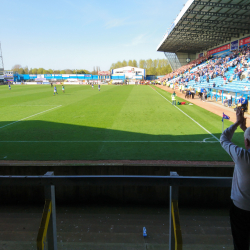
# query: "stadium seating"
[[222, 77]]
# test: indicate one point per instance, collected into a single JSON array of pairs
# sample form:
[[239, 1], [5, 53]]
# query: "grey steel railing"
[[174, 181]]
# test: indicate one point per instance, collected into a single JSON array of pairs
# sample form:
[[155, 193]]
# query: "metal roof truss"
[[207, 24]]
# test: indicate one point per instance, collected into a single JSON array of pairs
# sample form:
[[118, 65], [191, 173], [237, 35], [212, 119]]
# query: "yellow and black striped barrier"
[[176, 224], [41, 237]]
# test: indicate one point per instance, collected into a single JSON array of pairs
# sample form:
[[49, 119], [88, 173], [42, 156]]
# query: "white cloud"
[[140, 39], [116, 22]]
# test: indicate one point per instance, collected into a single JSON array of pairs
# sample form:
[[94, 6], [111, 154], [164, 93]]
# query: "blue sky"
[[75, 34]]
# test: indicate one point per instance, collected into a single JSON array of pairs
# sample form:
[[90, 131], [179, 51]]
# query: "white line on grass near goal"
[[29, 117], [109, 141], [30, 105], [188, 116]]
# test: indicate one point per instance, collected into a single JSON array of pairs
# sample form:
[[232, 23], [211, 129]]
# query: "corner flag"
[[225, 117]]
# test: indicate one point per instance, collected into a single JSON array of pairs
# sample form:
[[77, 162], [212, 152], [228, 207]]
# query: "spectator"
[[192, 93], [225, 80], [173, 98], [240, 191], [201, 93]]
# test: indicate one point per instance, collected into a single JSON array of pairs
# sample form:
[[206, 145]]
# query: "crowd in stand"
[[212, 68], [184, 68]]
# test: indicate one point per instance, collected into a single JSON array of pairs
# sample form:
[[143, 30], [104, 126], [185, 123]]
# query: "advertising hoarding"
[[40, 79], [118, 74], [245, 41], [235, 45], [104, 73], [200, 55], [220, 49]]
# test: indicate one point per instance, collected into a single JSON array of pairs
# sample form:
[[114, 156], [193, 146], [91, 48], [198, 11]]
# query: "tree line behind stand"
[[153, 67], [25, 70]]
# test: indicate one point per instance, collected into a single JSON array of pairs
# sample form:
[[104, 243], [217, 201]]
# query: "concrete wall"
[[183, 57], [119, 194]]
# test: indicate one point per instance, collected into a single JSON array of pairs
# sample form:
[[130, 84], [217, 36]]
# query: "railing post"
[[49, 192], [173, 195]]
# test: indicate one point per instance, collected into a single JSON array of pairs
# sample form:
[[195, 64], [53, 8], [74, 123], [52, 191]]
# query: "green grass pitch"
[[116, 123]]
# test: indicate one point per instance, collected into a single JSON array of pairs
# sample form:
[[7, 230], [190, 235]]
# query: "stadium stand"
[[222, 77], [205, 48]]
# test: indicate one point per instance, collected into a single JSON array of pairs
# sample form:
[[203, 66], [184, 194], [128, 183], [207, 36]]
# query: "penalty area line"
[[189, 117], [31, 105], [29, 117], [109, 141]]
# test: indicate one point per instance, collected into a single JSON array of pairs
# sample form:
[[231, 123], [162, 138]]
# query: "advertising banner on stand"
[[245, 41], [217, 50], [235, 45], [8, 76], [103, 73]]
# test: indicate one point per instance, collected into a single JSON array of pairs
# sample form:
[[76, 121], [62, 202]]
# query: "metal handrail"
[[174, 181], [114, 180]]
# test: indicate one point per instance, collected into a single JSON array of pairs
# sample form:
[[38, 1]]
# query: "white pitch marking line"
[[30, 105], [205, 140], [188, 116], [111, 141], [29, 117]]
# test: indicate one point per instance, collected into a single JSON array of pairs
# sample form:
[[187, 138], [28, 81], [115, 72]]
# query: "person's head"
[[247, 138]]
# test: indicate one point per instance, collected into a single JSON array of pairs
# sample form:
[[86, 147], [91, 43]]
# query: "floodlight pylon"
[[1, 65], [1, 57]]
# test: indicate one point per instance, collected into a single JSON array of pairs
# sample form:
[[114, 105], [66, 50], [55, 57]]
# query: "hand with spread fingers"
[[243, 125], [239, 116]]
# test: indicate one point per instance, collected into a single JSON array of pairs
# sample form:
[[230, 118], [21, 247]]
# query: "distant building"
[[126, 74], [8, 76], [130, 73], [104, 75]]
